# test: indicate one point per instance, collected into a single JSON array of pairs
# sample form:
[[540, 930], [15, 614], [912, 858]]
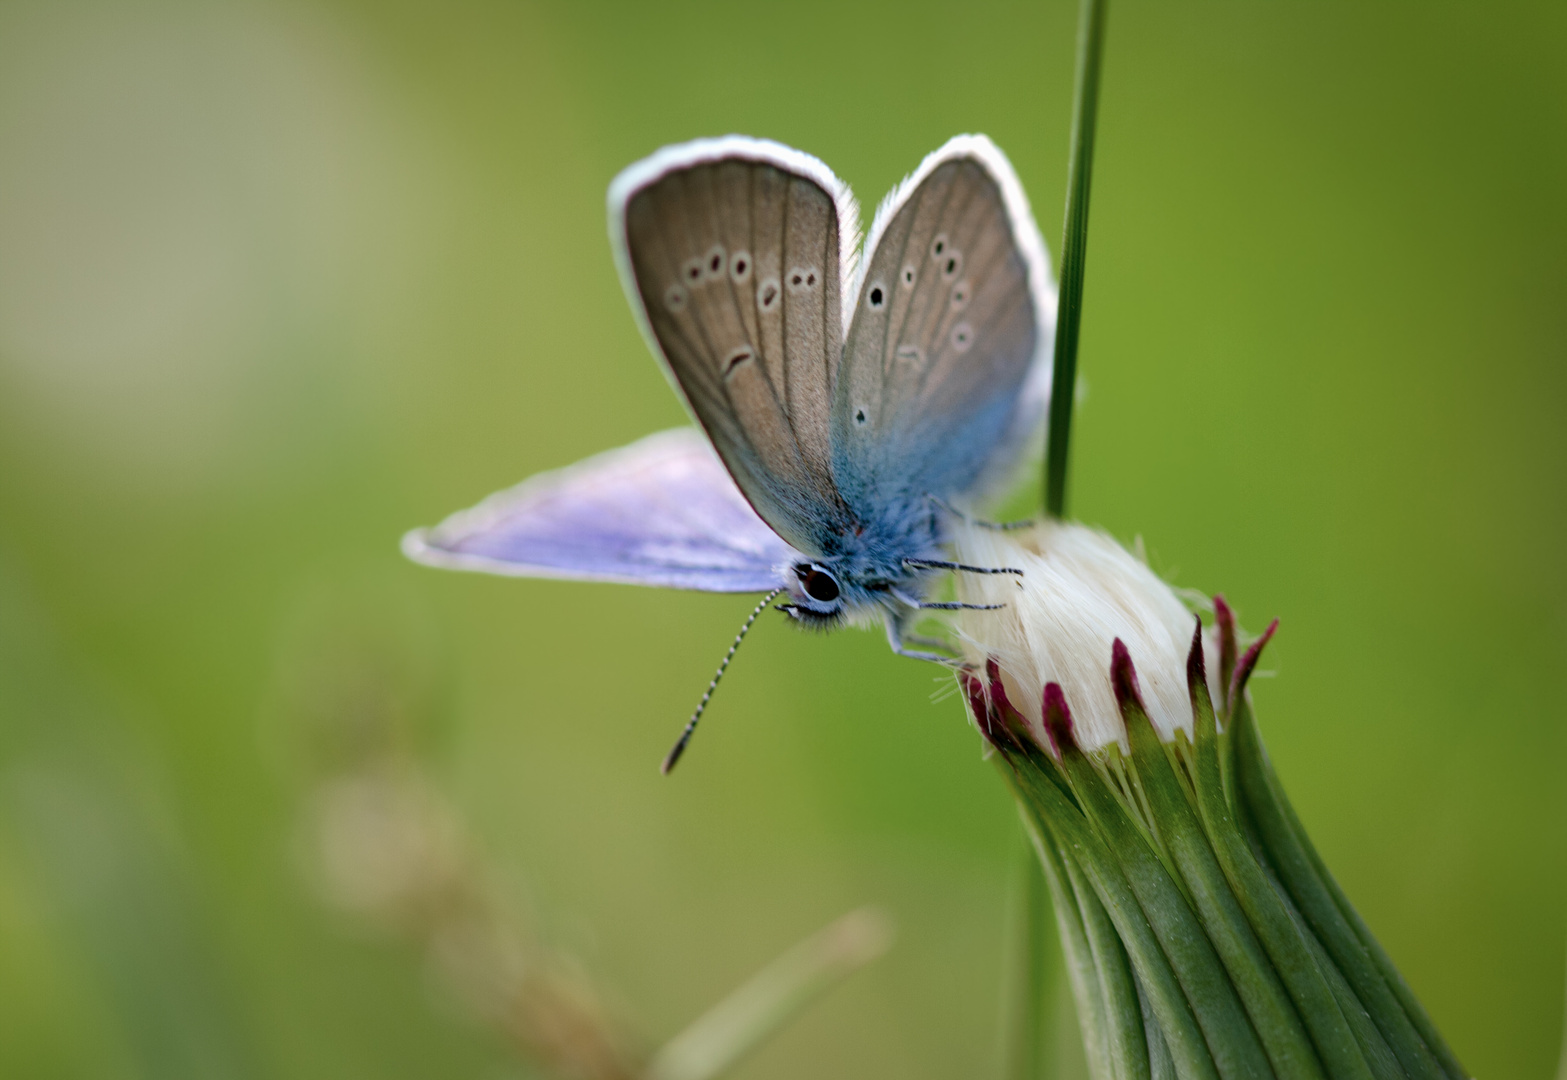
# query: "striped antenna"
[[701, 706]]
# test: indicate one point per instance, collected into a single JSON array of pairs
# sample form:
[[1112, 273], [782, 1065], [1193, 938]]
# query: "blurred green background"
[[279, 281]]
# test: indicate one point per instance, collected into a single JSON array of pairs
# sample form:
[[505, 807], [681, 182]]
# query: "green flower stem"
[[1235, 1048], [1074, 250], [1379, 1057], [1081, 967], [1059, 817], [723, 1036], [1032, 998], [1287, 948], [1126, 1034], [1304, 882], [1097, 964], [1266, 1001], [1406, 997], [1161, 1066]]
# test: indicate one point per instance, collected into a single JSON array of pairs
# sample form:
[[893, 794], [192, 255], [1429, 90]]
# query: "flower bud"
[[1203, 934]]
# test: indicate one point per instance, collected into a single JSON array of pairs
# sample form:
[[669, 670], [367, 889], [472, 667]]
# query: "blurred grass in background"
[[279, 281]]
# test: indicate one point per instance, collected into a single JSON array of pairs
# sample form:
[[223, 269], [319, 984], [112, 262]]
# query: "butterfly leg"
[[941, 605], [998, 526], [899, 641], [939, 564]]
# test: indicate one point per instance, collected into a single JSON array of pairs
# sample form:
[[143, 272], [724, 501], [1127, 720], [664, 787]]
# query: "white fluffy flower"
[[1080, 590]]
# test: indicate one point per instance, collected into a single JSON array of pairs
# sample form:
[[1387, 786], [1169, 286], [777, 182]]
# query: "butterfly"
[[852, 408]]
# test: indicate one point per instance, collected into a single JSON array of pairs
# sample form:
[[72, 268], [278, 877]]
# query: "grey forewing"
[[932, 374], [737, 265]]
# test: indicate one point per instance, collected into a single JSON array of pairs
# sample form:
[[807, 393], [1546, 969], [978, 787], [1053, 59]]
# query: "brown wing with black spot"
[[737, 261], [948, 330]]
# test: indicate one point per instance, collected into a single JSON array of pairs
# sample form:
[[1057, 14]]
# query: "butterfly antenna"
[[701, 706]]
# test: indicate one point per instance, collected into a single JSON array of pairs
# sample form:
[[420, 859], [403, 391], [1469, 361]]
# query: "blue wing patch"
[[662, 511]]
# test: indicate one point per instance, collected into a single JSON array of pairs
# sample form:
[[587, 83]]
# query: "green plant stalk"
[[1031, 1007], [1100, 971], [1081, 967], [1074, 250], [1230, 1039], [1127, 1019], [1272, 1013], [724, 1035], [1305, 880], [1406, 997], [1288, 950], [1060, 817]]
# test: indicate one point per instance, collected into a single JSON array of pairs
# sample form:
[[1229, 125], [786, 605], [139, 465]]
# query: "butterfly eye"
[[820, 585], [877, 297], [907, 277], [962, 337], [675, 298], [740, 266], [938, 247]]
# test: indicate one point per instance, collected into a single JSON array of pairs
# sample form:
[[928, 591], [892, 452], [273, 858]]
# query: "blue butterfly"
[[854, 407]]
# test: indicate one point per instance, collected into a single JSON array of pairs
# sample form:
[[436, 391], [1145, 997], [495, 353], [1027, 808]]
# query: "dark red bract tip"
[[1058, 720], [979, 704], [1248, 663], [1123, 676], [1225, 619], [1196, 666]]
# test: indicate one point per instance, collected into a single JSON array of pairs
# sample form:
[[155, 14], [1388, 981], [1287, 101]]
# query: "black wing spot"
[[767, 294], [740, 266], [962, 337], [738, 356], [910, 354], [715, 262], [954, 263], [692, 272], [802, 278], [859, 416], [907, 277], [675, 297], [938, 247], [960, 295], [877, 297]]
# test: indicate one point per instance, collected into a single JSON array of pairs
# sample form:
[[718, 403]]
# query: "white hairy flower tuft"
[[1079, 591]]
